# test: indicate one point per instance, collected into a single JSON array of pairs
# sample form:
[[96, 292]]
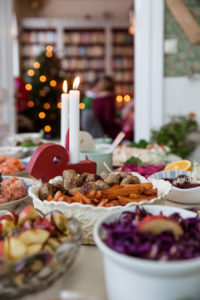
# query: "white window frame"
[[148, 73], [6, 67]]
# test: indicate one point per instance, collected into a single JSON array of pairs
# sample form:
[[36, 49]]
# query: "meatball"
[[83, 177], [113, 179], [92, 177], [102, 185], [70, 179], [124, 174], [87, 187], [46, 190], [131, 179]]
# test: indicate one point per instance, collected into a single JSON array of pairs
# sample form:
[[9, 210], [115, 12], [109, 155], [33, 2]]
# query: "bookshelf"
[[122, 60], [84, 53], [33, 41], [88, 48]]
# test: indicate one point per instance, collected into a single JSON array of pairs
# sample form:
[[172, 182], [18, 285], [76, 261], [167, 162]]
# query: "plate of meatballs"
[[88, 197]]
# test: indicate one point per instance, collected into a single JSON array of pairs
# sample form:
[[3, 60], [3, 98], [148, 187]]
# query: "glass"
[[37, 271]]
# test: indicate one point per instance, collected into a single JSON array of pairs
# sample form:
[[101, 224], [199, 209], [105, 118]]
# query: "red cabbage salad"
[[143, 235], [134, 164]]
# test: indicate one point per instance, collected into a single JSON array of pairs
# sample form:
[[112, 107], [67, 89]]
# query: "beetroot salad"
[[144, 170], [143, 235]]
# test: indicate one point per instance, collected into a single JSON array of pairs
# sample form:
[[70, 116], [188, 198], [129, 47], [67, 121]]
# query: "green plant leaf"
[[134, 160]]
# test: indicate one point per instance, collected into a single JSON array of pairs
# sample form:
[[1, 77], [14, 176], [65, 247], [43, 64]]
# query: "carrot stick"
[[151, 192], [134, 196], [49, 198], [57, 195], [77, 198], [85, 199], [126, 190], [103, 202], [92, 194], [125, 200]]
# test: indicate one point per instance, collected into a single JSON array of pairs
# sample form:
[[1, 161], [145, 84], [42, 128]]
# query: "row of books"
[[122, 89], [122, 63], [123, 51], [82, 64], [89, 76], [32, 50], [84, 51], [123, 76], [122, 38], [84, 37], [38, 37]]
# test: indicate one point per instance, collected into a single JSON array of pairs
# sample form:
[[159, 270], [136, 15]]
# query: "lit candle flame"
[[65, 86], [76, 83]]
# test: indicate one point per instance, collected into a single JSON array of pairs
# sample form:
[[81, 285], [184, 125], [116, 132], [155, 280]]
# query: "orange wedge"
[[184, 165]]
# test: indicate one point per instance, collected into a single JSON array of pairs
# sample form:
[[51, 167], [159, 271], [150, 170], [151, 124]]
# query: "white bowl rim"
[[194, 189], [143, 265], [96, 208]]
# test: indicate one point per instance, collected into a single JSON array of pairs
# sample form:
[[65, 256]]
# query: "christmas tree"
[[45, 85]]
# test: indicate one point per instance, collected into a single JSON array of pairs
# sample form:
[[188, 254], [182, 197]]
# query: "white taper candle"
[[74, 123], [64, 113]]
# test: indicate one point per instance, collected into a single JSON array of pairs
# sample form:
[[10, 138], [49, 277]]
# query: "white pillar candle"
[[64, 113], [74, 123]]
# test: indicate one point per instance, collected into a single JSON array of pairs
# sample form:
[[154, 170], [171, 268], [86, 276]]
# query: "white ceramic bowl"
[[89, 214], [184, 196], [129, 278], [99, 156], [11, 151]]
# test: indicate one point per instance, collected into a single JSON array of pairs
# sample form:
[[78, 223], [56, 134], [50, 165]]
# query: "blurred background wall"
[[181, 68]]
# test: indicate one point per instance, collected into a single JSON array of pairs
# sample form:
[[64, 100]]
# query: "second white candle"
[[64, 114], [74, 126]]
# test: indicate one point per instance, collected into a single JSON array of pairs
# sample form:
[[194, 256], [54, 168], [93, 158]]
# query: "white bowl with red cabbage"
[[144, 266], [184, 193]]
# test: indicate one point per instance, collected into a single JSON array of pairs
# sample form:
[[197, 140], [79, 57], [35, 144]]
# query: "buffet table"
[[80, 277], [85, 276]]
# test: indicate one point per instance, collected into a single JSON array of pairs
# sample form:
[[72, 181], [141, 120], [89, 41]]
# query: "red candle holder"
[[50, 160]]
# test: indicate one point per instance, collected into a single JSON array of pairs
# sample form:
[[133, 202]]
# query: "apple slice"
[[48, 248], [60, 222], [2, 254], [16, 250], [28, 213], [7, 226], [44, 223], [54, 243], [34, 236], [159, 224], [64, 238], [7, 217], [27, 224], [33, 248], [14, 215]]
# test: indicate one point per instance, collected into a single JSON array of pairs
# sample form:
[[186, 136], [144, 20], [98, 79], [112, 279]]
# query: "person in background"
[[89, 121], [104, 106]]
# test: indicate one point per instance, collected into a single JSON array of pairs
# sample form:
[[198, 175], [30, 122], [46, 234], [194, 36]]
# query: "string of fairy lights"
[[43, 79], [120, 98]]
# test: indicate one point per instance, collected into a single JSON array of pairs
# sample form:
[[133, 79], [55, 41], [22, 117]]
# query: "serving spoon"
[[116, 141]]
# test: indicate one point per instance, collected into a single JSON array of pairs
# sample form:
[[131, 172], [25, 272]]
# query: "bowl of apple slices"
[[35, 249]]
